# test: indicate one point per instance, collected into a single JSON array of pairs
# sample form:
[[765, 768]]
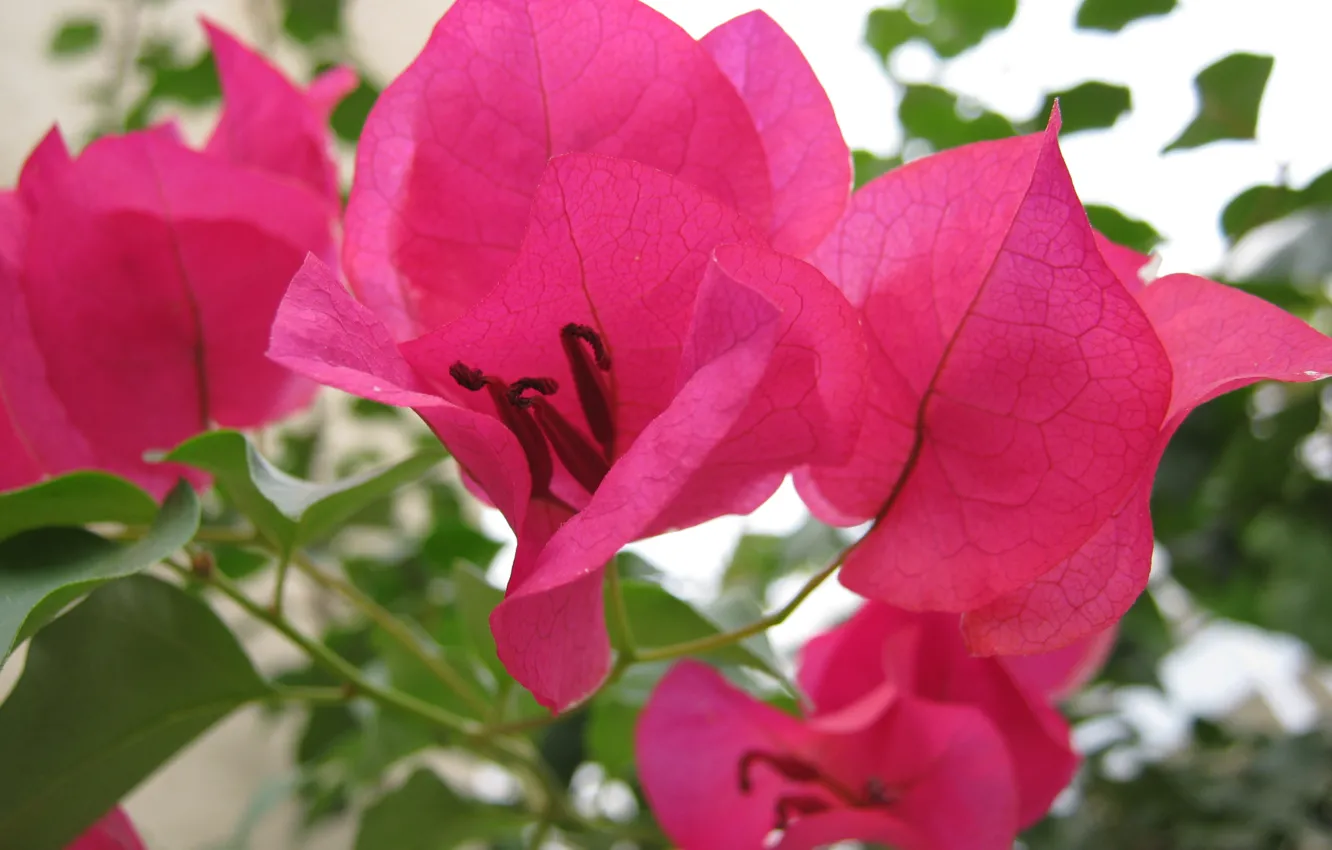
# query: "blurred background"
[[1195, 129]]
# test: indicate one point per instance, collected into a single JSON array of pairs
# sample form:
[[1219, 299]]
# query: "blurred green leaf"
[[936, 115], [189, 82], [869, 166], [109, 693], [563, 745], [349, 115], [1142, 642], [310, 20], [288, 511], [77, 498], [948, 26], [44, 569], [476, 599], [659, 619], [1092, 105], [367, 409], [1122, 230], [425, 814], [760, 559], [1114, 15], [1259, 205], [76, 36], [452, 538], [1229, 94], [610, 734]]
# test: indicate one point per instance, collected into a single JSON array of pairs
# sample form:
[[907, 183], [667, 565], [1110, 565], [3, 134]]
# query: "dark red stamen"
[[590, 383], [799, 771], [798, 804], [578, 455], [516, 419]]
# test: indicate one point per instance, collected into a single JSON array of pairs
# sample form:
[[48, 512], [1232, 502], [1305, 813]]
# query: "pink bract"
[[138, 280], [1024, 382], [112, 832], [454, 149], [646, 362], [909, 741]]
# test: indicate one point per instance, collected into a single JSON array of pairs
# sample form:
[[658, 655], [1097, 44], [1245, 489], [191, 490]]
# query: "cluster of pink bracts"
[[621, 274]]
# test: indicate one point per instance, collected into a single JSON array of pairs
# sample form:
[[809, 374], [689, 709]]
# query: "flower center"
[[540, 428], [874, 794]]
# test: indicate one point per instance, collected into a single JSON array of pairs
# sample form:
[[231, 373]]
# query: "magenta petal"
[[550, 631], [1017, 386], [808, 406], [828, 828], [321, 332], [115, 831], [1061, 673], [807, 156], [1126, 263], [1220, 339], [268, 123], [688, 744], [1080, 597], [453, 151]]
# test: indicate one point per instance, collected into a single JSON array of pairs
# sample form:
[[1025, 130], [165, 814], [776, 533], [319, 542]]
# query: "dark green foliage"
[[188, 82], [349, 117], [933, 114], [1088, 106], [75, 37], [1122, 230], [948, 26], [1114, 15], [310, 20], [1229, 94], [868, 166], [1259, 205]]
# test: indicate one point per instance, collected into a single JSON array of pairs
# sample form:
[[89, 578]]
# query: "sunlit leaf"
[[937, 116], [948, 26], [1229, 94], [1122, 230], [76, 36], [1088, 106], [44, 569], [1114, 15], [110, 692]]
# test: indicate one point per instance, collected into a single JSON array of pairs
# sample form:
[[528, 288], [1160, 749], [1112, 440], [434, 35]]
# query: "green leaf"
[[869, 166], [610, 734], [425, 814], [349, 115], [948, 26], [1259, 205], [1114, 15], [934, 114], [760, 559], [1229, 94], [288, 511], [1091, 105], [476, 599], [76, 36], [75, 499], [1122, 230], [110, 692], [44, 569], [659, 619], [309, 20], [190, 82]]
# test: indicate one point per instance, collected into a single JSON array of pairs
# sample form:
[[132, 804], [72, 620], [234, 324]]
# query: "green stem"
[[329, 660], [280, 580], [621, 632], [396, 629], [540, 835], [312, 695], [724, 639]]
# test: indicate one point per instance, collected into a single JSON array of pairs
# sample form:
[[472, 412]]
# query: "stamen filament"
[[590, 383]]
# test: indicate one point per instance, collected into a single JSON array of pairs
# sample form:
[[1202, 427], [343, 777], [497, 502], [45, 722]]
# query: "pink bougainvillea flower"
[[113, 832], [453, 150], [1024, 384], [647, 362], [139, 279], [909, 740]]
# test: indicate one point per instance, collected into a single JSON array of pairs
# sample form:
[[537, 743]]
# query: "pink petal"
[[689, 741], [185, 255], [268, 123], [1126, 263], [115, 831], [827, 828], [455, 147], [322, 333], [1017, 388], [550, 631], [1063, 672], [808, 406], [807, 156], [845, 663], [1219, 339]]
